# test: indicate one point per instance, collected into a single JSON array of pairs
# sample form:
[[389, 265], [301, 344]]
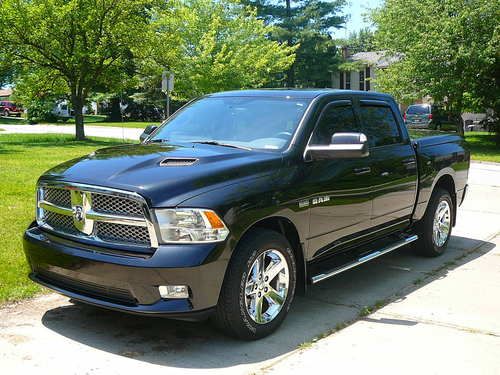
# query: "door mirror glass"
[[342, 146], [147, 131]]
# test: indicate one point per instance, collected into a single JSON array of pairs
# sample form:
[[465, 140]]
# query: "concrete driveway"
[[439, 315], [90, 130]]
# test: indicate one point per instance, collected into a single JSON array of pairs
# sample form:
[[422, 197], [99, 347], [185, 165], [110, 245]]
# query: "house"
[[361, 70], [5, 93]]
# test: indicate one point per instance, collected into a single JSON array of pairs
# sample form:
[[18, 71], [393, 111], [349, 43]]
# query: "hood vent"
[[178, 162]]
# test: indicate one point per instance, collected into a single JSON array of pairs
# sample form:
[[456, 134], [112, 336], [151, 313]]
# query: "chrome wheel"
[[441, 224], [266, 286]]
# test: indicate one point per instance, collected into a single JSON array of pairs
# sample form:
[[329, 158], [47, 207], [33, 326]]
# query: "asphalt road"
[[440, 314]]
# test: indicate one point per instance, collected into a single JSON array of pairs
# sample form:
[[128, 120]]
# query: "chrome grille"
[[116, 205], [57, 196], [59, 222], [119, 233], [95, 214]]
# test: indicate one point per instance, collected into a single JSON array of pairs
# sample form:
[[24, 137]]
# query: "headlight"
[[190, 225]]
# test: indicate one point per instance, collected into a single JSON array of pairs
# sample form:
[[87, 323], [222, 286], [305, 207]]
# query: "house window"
[[342, 80], [347, 80], [367, 78], [362, 80]]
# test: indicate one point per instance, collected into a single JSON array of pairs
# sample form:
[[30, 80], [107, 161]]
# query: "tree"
[[85, 43], [308, 25], [361, 41], [212, 46], [38, 90], [450, 50]]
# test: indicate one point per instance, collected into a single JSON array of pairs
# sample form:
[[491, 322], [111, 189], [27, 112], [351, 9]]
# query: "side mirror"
[[342, 146], [147, 132]]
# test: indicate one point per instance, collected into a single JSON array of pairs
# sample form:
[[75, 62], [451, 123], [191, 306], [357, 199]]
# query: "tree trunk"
[[290, 75], [116, 113], [77, 101]]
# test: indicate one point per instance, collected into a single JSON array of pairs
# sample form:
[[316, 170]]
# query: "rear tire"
[[434, 230], [253, 303]]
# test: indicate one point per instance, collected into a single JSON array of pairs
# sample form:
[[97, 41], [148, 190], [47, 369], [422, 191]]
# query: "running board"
[[364, 259]]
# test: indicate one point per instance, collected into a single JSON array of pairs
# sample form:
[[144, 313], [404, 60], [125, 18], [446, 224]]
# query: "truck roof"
[[297, 93]]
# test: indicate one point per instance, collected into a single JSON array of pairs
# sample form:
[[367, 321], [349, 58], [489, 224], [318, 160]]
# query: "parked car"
[[8, 108], [427, 116], [239, 201]]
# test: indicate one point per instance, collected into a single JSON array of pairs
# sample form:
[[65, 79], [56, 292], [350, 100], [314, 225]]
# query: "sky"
[[355, 10]]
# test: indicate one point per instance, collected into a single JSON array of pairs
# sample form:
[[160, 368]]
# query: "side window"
[[379, 125], [335, 119]]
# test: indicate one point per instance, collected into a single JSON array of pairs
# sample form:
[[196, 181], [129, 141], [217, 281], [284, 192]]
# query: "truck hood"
[[155, 171]]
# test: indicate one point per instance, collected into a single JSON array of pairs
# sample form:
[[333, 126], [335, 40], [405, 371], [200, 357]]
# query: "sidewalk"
[[449, 326], [90, 130]]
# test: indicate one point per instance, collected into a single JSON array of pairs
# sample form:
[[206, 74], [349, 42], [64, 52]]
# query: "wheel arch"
[[447, 182], [285, 227]]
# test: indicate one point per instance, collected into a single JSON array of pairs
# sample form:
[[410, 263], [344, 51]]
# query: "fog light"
[[174, 291]]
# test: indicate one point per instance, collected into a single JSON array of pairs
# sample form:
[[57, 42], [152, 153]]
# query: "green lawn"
[[483, 147], [13, 120], [23, 157]]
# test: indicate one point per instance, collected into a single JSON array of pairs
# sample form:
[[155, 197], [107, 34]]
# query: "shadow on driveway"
[[326, 306]]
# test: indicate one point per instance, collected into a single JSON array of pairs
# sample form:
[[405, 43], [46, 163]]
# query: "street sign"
[[167, 82]]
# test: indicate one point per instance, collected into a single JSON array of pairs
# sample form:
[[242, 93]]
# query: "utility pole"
[[167, 86]]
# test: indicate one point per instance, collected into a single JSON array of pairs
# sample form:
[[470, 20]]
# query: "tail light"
[[404, 116], [429, 116]]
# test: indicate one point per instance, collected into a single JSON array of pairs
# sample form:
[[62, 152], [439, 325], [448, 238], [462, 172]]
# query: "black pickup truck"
[[239, 201]]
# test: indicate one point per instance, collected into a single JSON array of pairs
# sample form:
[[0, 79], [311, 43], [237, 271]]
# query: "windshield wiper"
[[215, 143]]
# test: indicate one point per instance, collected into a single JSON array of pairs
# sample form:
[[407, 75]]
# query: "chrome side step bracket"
[[364, 259]]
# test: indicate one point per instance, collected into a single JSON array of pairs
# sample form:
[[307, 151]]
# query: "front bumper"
[[128, 282]]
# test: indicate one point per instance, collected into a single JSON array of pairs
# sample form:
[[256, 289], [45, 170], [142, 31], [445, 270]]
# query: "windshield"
[[249, 122], [418, 110]]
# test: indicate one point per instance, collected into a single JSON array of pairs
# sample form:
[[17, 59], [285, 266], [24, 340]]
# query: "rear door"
[[393, 163]]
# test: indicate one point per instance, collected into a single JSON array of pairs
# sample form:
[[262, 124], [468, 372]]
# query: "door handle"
[[409, 161], [361, 171]]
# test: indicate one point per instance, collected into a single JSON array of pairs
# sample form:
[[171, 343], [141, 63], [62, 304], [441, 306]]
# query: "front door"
[[340, 190]]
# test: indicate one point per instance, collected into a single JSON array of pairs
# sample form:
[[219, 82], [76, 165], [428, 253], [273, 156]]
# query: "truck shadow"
[[326, 306]]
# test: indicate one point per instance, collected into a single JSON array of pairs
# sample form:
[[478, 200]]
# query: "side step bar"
[[364, 259]]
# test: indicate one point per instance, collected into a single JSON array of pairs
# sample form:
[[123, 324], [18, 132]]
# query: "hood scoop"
[[178, 162]]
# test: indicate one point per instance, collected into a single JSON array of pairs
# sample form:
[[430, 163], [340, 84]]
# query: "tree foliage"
[[213, 46], [308, 25], [450, 49], [86, 43], [360, 41]]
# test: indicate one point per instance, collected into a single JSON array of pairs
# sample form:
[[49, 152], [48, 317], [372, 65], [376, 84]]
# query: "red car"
[[8, 108]]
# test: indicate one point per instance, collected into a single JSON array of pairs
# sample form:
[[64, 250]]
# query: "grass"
[[483, 147], [23, 157], [13, 120], [481, 144]]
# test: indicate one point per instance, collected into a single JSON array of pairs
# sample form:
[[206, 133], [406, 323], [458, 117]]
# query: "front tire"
[[259, 286], [435, 228]]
